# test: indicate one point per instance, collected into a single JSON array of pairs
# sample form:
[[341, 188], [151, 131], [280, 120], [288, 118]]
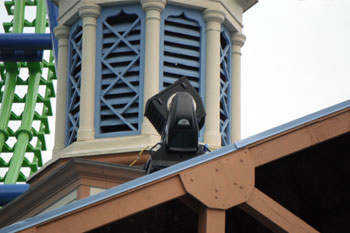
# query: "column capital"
[[61, 32], [157, 5], [89, 10], [214, 15], [238, 39]]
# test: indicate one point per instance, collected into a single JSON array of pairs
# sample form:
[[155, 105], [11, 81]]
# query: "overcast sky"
[[295, 60]]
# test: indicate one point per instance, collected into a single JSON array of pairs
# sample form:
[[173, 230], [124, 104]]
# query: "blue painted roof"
[[171, 170]]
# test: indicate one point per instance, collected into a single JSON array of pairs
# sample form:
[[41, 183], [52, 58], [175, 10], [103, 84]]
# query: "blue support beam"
[[52, 11], [9, 192], [28, 47]]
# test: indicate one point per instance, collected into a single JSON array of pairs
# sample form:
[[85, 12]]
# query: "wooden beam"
[[273, 215], [211, 220], [221, 183], [116, 207]]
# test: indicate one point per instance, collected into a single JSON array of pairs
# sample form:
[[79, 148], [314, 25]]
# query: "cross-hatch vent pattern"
[[120, 75], [225, 92], [182, 50], [74, 81]]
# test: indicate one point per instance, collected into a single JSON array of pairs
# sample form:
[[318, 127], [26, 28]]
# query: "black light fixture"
[[177, 113]]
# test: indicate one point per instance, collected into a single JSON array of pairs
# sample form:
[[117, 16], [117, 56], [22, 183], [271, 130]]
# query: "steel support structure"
[[12, 74]]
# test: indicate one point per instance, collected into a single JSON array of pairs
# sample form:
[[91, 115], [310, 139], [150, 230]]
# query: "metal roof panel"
[[27, 223]]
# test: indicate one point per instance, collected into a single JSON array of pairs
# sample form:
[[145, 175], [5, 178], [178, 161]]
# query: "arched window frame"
[[192, 15]]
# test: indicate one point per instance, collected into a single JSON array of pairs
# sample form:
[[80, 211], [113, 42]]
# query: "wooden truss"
[[213, 187]]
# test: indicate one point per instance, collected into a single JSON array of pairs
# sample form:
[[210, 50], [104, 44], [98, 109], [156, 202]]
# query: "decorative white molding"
[[89, 13], [157, 5], [214, 18], [61, 32], [238, 40], [153, 9], [62, 35], [214, 15], [89, 10], [103, 146]]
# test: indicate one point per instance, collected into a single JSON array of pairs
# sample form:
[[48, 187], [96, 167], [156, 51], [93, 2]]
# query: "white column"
[[238, 40], [61, 34], [89, 13], [153, 8], [212, 136]]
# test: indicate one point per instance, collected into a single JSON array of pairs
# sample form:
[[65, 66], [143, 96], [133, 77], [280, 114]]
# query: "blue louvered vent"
[[225, 89], [120, 87], [74, 78], [182, 50]]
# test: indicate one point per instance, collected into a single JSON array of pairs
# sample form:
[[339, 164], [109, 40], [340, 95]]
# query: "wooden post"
[[211, 220]]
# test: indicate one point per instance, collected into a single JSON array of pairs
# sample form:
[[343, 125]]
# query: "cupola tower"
[[113, 55]]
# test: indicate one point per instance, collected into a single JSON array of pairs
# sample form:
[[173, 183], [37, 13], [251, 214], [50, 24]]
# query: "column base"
[[211, 220], [86, 134], [213, 139], [104, 146]]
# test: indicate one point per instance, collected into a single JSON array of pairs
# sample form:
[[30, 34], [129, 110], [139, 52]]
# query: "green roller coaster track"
[[24, 157]]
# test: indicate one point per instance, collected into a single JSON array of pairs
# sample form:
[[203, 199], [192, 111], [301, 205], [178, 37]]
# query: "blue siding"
[[73, 86], [182, 47], [225, 88], [119, 71]]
